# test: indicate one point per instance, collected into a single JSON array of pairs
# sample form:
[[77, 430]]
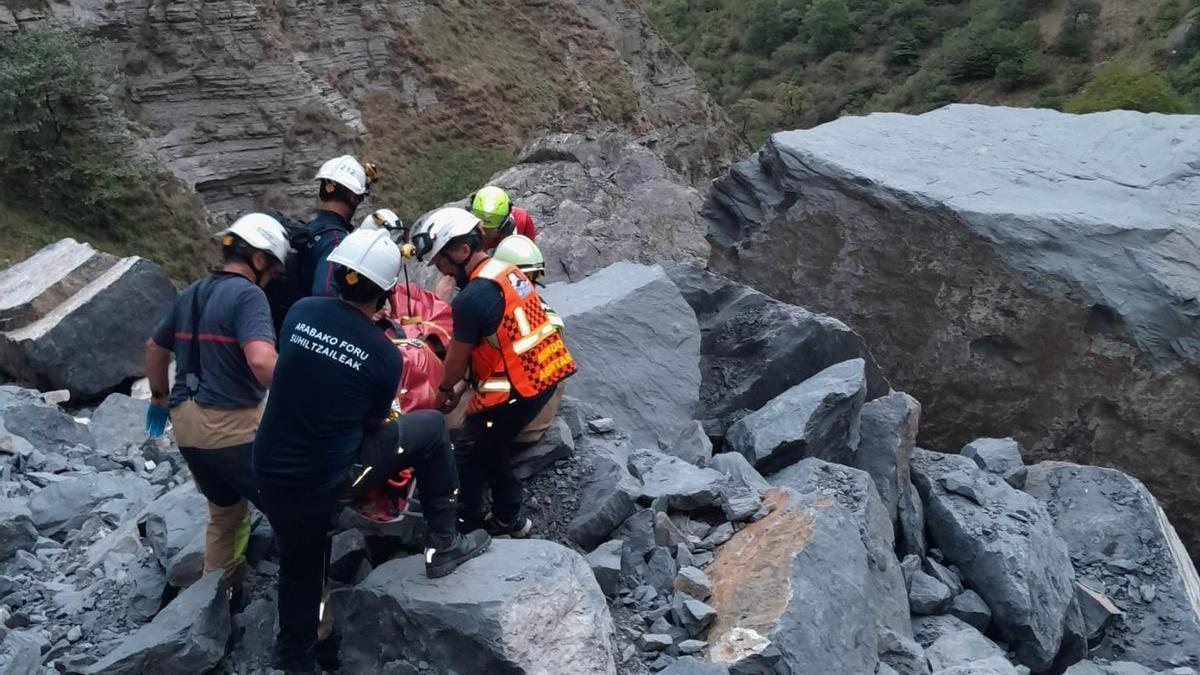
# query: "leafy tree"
[[792, 101], [1119, 87], [829, 26], [58, 136], [748, 114]]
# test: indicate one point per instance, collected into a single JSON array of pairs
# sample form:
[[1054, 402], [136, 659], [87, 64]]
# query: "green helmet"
[[520, 250], [491, 206]]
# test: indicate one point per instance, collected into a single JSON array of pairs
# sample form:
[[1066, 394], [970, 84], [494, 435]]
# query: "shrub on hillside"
[[1078, 26], [1119, 87]]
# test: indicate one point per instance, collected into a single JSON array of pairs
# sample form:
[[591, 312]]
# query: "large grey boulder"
[[1121, 542], [17, 532], [64, 505], [608, 494], [822, 551], [175, 526], [887, 436], [755, 347], [189, 635], [522, 607], [1021, 271], [855, 491], [1005, 545], [67, 301], [603, 199], [637, 346], [118, 421], [816, 418]]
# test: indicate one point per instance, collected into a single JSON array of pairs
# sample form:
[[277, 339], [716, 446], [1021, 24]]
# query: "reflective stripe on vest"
[[526, 355]]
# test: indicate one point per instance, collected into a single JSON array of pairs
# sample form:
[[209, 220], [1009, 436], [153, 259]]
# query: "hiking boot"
[[453, 551], [520, 527], [327, 651]]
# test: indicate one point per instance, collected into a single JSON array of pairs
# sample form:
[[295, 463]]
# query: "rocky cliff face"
[[1017, 270], [242, 100]]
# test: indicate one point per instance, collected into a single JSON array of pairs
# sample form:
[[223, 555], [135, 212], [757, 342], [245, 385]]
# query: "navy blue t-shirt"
[[477, 311], [233, 313], [328, 230], [336, 373]]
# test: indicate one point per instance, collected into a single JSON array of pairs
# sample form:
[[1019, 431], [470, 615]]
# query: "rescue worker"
[[343, 184], [223, 340], [520, 250], [516, 360], [499, 218], [328, 410]]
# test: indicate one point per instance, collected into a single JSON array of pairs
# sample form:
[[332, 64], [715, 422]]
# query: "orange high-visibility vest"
[[527, 355]]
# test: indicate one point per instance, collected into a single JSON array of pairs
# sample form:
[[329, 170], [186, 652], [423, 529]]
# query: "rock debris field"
[[732, 486]]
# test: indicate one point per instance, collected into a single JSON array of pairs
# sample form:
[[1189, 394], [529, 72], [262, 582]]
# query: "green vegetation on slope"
[[69, 167], [780, 64]]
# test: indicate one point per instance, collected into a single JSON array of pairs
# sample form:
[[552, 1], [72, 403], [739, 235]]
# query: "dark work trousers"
[[303, 521], [224, 476], [483, 448]]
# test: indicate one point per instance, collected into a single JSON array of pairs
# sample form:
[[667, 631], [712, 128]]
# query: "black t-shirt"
[[336, 372], [477, 311]]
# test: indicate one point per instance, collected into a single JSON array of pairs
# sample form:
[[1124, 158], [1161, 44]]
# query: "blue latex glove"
[[156, 420]]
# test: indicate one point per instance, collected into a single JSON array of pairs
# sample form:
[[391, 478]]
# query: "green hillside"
[[778, 64]]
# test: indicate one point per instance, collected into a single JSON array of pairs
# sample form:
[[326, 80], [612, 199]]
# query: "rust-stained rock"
[[793, 591]]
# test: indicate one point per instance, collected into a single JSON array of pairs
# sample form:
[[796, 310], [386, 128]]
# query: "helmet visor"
[[489, 221]]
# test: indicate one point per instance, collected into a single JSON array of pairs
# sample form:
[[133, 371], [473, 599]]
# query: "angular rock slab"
[[607, 495], [755, 347], [816, 418], [637, 346], [1118, 535], [887, 436], [855, 491], [65, 505], [798, 590], [684, 486], [1001, 456], [528, 606], [1030, 272], [1004, 543], [108, 314], [17, 532], [118, 421], [188, 636], [175, 526]]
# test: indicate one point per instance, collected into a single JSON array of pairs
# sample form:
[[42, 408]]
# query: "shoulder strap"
[[191, 374]]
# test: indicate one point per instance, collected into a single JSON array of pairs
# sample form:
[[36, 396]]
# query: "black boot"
[[447, 549], [328, 653]]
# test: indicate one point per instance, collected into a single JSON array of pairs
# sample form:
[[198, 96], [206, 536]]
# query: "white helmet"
[[446, 224], [381, 219], [262, 232], [371, 253], [347, 172]]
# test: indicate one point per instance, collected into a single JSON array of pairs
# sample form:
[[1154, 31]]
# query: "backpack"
[[287, 290]]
